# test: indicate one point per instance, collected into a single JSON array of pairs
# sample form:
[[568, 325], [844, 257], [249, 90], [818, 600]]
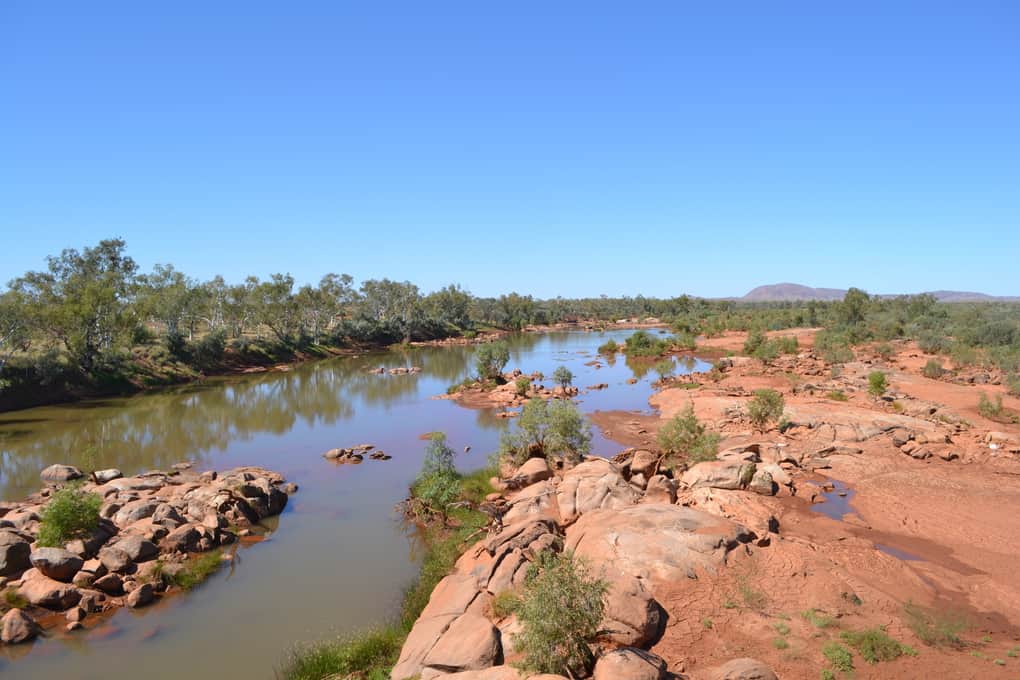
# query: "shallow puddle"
[[837, 501]]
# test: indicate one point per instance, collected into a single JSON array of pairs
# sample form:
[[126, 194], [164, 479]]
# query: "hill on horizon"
[[789, 292]]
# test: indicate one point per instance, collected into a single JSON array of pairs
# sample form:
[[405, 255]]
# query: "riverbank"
[[863, 529], [85, 546]]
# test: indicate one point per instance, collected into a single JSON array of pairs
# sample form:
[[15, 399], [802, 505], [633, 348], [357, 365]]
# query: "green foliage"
[[643, 344], [490, 359], [14, 600], [817, 618], [780, 643], [991, 407], [839, 656], [554, 428], [873, 644], [685, 342], [609, 347], [560, 611], [665, 368], [522, 385], [563, 377], [933, 369], [505, 603], [766, 352], [933, 342], [837, 395], [368, 655], [766, 406], [877, 384], [782, 628], [683, 434], [935, 628], [755, 339], [437, 486], [827, 674], [885, 351], [208, 352], [71, 513], [1013, 385], [198, 569]]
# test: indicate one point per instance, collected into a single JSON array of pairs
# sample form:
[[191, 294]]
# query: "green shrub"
[[933, 369], [873, 644], [685, 342], [522, 385], [932, 342], [817, 618], [838, 355], [766, 352], [827, 674], [990, 408], [563, 377], [766, 406], [877, 384], [609, 347], [665, 368], [755, 339], [505, 604], [490, 359], [368, 655], [437, 486], [197, 570], [839, 656], [787, 344], [554, 428], [935, 628], [642, 344], [209, 351], [71, 513], [964, 355], [560, 613], [885, 351], [684, 434], [1013, 385], [837, 395]]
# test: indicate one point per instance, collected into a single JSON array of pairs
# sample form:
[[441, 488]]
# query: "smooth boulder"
[[741, 669], [60, 473], [16, 627], [56, 563], [655, 542], [629, 664], [42, 591], [14, 553]]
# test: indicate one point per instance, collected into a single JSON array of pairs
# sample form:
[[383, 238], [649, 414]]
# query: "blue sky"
[[562, 148]]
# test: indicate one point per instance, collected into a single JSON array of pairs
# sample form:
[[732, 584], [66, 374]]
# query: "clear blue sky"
[[572, 148]]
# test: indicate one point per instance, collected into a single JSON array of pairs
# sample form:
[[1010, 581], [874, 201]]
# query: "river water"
[[338, 556]]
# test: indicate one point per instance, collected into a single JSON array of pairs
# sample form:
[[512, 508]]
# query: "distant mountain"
[[781, 292], [784, 292]]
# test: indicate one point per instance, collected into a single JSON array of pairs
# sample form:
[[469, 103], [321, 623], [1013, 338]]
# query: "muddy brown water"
[[338, 557]]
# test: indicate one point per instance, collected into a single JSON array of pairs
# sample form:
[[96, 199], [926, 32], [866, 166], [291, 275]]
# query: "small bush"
[[837, 395], [935, 629], [522, 385], [560, 614], [877, 384], [780, 643], [437, 486], [197, 570], [787, 344], [873, 644], [369, 655], [766, 406], [71, 513], [685, 342], [766, 352], [490, 359], [208, 352], [505, 604], [665, 368], [609, 347], [553, 428], [990, 408], [1013, 385], [563, 377], [642, 344], [684, 434], [933, 369], [755, 339], [932, 342], [839, 656], [885, 351], [782, 628], [818, 619]]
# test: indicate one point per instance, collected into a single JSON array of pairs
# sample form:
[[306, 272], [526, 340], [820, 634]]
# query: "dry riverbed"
[[892, 513]]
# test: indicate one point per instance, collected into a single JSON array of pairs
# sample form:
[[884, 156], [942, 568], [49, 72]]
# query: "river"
[[338, 556]]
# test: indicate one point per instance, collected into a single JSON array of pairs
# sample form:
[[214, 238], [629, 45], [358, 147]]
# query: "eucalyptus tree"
[[82, 300]]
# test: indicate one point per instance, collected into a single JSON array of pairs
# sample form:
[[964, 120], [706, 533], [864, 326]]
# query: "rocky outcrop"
[[60, 473], [596, 484], [154, 515], [656, 542], [733, 473]]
